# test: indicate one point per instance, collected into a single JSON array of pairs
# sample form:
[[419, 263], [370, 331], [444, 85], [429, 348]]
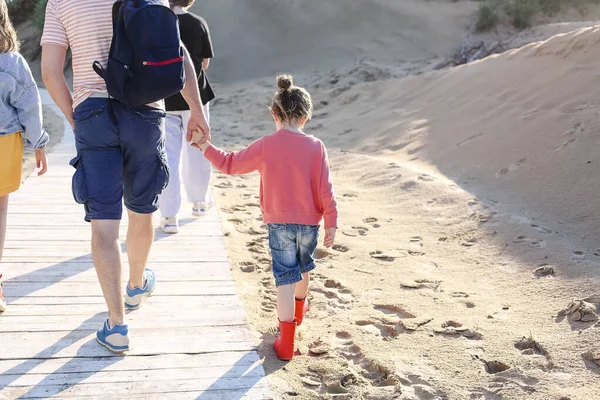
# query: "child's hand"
[[329, 237], [41, 161], [198, 129]]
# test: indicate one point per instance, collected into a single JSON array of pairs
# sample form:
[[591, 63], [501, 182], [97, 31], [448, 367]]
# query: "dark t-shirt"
[[196, 38]]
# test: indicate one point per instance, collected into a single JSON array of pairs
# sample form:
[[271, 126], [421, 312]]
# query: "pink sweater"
[[295, 181]]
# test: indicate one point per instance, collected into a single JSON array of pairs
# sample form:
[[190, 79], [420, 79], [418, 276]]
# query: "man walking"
[[120, 153]]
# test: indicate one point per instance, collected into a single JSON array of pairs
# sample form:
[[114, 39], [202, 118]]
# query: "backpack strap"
[[115, 18]]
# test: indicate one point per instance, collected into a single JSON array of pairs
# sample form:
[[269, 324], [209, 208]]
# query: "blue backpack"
[[145, 62]]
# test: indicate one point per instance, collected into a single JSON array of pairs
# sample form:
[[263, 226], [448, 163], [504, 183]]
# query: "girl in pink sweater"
[[296, 193]]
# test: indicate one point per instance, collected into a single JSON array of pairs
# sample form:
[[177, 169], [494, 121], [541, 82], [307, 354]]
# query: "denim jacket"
[[20, 104]]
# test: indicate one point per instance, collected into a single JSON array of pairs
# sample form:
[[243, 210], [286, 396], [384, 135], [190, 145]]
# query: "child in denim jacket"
[[20, 118]]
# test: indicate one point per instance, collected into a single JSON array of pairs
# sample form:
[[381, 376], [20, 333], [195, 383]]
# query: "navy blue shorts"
[[120, 156], [292, 247]]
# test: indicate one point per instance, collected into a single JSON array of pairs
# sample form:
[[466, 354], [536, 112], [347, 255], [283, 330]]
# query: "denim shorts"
[[292, 247], [120, 156]]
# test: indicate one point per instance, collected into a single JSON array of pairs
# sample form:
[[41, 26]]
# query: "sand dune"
[[262, 37], [467, 260]]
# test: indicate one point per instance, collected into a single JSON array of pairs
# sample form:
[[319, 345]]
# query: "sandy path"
[[433, 290]]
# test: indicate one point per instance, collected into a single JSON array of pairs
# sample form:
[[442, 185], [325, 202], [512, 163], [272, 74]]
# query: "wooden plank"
[[199, 305], [226, 389], [52, 234], [156, 375], [155, 300], [179, 245], [154, 341], [64, 221], [190, 340], [255, 393], [17, 368], [174, 319], [160, 257], [85, 272], [69, 289]]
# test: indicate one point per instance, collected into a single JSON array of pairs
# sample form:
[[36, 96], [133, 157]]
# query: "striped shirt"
[[84, 26]]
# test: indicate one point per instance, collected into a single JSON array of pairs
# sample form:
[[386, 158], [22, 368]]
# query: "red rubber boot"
[[284, 344], [301, 309]]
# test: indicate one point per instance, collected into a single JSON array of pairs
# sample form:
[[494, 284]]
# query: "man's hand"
[[198, 130], [329, 237], [41, 162]]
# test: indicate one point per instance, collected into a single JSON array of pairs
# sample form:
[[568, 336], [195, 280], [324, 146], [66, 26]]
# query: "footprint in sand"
[[566, 144], [456, 329], [469, 304], [361, 230], [268, 307], [247, 266], [409, 185], [340, 247], [321, 254], [394, 310], [537, 243], [337, 296], [381, 256], [370, 220], [379, 373], [255, 247], [582, 310], [266, 282], [426, 178], [541, 229], [543, 271], [422, 284], [470, 242], [494, 367], [333, 284], [578, 256], [224, 185], [529, 346]]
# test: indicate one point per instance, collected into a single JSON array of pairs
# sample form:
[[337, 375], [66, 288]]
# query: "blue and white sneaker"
[[134, 298], [199, 209], [114, 339], [169, 225]]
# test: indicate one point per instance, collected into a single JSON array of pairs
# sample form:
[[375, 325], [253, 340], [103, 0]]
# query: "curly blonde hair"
[[8, 35]]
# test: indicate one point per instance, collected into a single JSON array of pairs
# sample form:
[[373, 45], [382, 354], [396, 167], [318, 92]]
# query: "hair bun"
[[284, 82]]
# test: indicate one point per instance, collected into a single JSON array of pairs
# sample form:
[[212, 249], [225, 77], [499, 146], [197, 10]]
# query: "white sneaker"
[[169, 225], [199, 209]]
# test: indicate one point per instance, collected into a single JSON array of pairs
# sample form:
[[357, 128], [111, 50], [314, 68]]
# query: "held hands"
[[329, 237], [41, 162], [198, 131]]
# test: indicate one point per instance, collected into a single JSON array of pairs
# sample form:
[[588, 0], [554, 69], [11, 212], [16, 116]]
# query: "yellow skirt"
[[11, 159]]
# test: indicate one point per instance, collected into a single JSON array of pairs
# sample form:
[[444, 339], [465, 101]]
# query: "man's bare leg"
[[106, 253], [140, 236]]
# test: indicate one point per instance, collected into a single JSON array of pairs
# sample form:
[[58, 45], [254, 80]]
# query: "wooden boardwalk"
[[190, 340]]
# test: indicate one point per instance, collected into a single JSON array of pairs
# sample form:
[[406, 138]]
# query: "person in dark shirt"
[[196, 170]]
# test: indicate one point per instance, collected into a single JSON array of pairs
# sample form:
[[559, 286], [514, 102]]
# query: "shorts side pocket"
[[78, 184], [162, 174]]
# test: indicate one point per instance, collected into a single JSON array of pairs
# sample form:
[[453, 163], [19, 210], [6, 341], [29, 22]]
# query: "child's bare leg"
[[3, 213], [302, 286], [286, 302]]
